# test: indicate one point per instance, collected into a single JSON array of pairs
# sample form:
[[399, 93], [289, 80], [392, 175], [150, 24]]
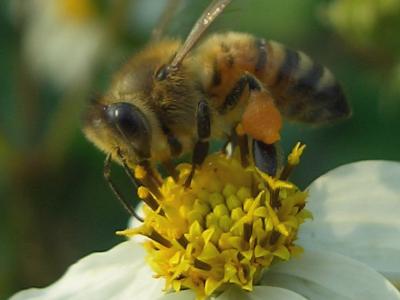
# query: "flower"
[[63, 40], [354, 235], [230, 225]]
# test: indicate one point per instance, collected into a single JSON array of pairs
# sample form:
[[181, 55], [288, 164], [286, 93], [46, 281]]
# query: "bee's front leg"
[[200, 150], [126, 204]]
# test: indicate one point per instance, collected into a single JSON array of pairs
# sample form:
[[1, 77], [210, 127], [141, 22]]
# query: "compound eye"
[[131, 124]]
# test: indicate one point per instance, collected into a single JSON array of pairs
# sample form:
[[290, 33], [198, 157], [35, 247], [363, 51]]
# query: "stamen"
[[286, 172], [140, 172], [275, 203], [201, 265], [274, 237], [247, 231], [183, 241], [157, 237], [189, 179], [147, 198], [293, 161], [143, 173]]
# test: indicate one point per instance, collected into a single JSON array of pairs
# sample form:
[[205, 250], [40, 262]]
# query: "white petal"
[[356, 211], [133, 222], [325, 275], [119, 273], [259, 293]]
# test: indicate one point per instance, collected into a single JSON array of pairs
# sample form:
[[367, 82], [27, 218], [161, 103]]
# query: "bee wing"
[[165, 19], [205, 20]]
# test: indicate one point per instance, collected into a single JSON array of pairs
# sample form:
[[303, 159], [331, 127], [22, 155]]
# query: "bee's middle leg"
[[201, 147], [243, 144]]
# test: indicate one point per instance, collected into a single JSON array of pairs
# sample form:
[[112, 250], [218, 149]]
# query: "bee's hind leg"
[[200, 150], [267, 157]]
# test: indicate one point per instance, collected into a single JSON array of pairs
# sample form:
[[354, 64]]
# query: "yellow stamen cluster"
[[229, 226]]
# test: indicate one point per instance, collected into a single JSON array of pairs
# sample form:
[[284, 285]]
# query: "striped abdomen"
[[303, 90]]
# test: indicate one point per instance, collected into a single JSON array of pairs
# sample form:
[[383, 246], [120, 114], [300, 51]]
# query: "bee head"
[[119, 125]]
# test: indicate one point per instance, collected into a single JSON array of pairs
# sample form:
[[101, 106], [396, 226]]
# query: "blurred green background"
[[55, 55]]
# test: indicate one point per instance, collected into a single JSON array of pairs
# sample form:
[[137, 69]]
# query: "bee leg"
[[267, 157], [243, 143], [107, 175], [203, 133], [127, 169], [231, 142], [170, 168], [232, 99], [249, 81]]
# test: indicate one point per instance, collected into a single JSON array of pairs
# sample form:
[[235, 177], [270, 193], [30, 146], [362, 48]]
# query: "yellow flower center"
[[230, 225]]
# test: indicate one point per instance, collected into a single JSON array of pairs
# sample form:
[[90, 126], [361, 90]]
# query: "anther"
[[247, 231], [144, 174], [293, 161], [274, 237], [147, 198], [201, 265], [275, 203], [155, 236], [183, 241]]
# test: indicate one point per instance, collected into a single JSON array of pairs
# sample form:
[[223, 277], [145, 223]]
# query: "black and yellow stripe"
[[303, 89]]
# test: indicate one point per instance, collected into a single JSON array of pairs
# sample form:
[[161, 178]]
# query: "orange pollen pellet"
[[261, 119]]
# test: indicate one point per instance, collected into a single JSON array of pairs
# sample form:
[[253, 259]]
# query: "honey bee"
[[172, 98]]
